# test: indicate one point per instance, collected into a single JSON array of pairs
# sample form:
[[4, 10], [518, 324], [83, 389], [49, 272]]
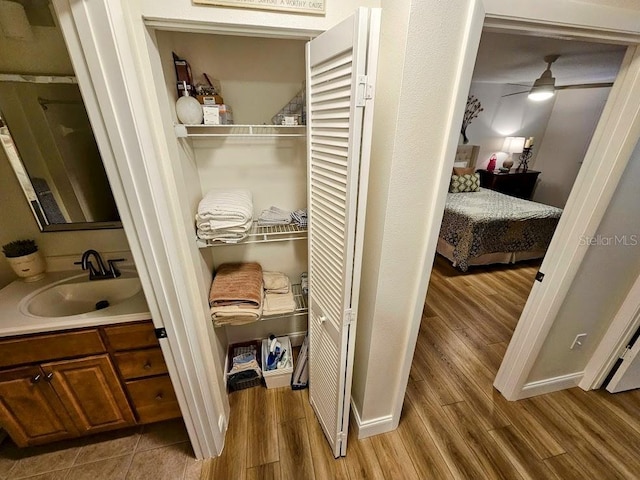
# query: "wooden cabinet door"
[[30, 411], [90, 392]]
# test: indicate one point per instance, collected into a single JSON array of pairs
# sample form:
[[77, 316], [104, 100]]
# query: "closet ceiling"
[[509, 58]]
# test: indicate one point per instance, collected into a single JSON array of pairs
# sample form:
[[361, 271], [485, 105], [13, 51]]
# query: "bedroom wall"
[[505, 116], [571, 125], [608, 271]]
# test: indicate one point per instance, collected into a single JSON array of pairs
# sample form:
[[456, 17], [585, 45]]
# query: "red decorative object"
[[492, 163]]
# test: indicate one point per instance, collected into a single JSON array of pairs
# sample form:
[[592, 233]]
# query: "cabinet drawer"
[[132, 336], [40, 348], [153, 399], [141, 363]]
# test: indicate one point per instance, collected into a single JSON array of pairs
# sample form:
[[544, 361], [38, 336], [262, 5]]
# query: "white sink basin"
[[77, 295]]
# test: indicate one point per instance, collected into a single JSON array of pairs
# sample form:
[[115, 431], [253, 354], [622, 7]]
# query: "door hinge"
[[539, 276], [349, 316], [364, 91], [341, 437], [626, 350], [161, 333]]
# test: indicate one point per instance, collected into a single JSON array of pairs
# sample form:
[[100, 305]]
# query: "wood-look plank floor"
[[454, 424]]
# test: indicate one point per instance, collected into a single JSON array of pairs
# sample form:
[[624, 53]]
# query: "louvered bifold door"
[[339, 112]]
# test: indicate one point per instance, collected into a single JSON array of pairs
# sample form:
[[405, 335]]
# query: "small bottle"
[[492, 163], [188, 109]]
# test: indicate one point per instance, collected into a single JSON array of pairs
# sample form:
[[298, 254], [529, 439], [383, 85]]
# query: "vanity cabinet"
[[72, 383], [57, 400], [142, 367]]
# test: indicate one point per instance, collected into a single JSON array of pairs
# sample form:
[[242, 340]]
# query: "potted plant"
[[25, 259]]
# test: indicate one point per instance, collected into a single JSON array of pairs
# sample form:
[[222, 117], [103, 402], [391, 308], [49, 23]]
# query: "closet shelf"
[[183, 131], [302, 307], [257, 234]]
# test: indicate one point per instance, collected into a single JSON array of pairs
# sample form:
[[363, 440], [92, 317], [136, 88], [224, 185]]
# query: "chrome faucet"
[[102, 272]]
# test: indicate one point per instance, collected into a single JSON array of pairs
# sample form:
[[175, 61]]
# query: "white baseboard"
[[549, 385], [372, 427]]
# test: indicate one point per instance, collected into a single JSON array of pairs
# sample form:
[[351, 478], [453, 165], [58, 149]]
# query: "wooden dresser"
[[515, 183]]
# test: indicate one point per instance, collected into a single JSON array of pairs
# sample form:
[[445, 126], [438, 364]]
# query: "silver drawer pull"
[[36, 378], [159, 396], [147, 366]]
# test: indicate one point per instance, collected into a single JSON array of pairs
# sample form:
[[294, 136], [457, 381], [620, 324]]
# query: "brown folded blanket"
[[238, 284]]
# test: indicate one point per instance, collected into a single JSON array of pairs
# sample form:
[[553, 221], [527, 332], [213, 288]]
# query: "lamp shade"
[[513, 144]]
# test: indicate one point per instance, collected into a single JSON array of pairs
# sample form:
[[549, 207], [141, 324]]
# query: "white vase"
[[29, 267], [189, 110]]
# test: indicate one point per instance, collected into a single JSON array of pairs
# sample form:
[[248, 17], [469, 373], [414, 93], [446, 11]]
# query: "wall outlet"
[[578, 341]]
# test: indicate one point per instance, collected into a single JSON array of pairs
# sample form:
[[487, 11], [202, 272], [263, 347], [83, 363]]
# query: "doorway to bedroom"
[[492, 238]]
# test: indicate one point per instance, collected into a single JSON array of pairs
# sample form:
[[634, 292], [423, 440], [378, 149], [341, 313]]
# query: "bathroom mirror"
[[48, 140], [45, 132]]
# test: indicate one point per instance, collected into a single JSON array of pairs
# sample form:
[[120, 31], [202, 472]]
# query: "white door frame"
[[106, 78], [607, 156], [613, 141], [615, 340]]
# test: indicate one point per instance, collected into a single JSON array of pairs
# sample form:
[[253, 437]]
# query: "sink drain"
[[102, 304]]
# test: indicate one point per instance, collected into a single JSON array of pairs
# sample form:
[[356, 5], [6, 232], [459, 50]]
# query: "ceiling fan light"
[[543, 88]]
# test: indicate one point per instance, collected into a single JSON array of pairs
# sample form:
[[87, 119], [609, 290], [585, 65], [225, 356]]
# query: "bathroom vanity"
[[60, 382]]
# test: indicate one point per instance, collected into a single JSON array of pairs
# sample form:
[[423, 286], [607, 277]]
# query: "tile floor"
[[160, 451]]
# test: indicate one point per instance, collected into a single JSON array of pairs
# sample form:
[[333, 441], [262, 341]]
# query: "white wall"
[[609, 269], [505, 116], [571, 125]]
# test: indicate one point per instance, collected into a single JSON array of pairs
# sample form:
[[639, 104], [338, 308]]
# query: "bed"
[[483, 227]]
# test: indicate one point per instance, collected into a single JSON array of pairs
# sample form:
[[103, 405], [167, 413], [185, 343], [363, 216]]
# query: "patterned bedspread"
[[486, 221]]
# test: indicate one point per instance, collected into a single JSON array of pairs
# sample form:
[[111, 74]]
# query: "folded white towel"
[[274, 216], [278, 303], [276, 282], [226, 205]]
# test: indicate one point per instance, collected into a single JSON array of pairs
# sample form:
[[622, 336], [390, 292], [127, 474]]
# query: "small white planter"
[[29, 267]]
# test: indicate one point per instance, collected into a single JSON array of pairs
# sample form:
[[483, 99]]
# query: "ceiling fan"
[[545, 86]]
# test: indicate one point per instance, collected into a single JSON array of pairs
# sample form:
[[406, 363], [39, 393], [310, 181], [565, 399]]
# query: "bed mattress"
[[487, 222]]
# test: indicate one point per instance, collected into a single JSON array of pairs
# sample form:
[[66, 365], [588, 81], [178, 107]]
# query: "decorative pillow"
[[463, 171], [465, 183]]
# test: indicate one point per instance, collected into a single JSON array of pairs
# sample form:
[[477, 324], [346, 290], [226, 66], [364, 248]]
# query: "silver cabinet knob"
[[49, 376], [147, 366], [36, 378]]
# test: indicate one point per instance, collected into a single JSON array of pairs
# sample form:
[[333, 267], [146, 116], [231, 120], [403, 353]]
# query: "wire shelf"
[[183, 131], [258, 234], [302, 307]]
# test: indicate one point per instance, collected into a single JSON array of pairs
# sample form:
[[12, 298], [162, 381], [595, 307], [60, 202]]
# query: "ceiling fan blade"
[[568, 87], [584, 85], [516, 93]]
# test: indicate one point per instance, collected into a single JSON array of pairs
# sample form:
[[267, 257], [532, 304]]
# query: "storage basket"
[[239, 381], [280, 377]]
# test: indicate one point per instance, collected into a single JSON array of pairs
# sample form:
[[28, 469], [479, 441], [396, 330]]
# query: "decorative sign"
[[295, 6]]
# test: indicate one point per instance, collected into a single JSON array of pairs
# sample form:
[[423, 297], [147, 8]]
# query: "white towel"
[[278, 303], [224, 215], [226, 205], [276, 282], [274, 216]]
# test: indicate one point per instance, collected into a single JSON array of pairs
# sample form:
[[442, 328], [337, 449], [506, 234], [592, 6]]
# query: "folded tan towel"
[[276, 282], [234, 315], [238, 284], [278, 303]]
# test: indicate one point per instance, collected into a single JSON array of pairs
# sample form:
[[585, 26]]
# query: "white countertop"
[[17, 321]]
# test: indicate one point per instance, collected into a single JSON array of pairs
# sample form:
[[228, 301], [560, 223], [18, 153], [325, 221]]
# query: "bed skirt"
[[446, 250]]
